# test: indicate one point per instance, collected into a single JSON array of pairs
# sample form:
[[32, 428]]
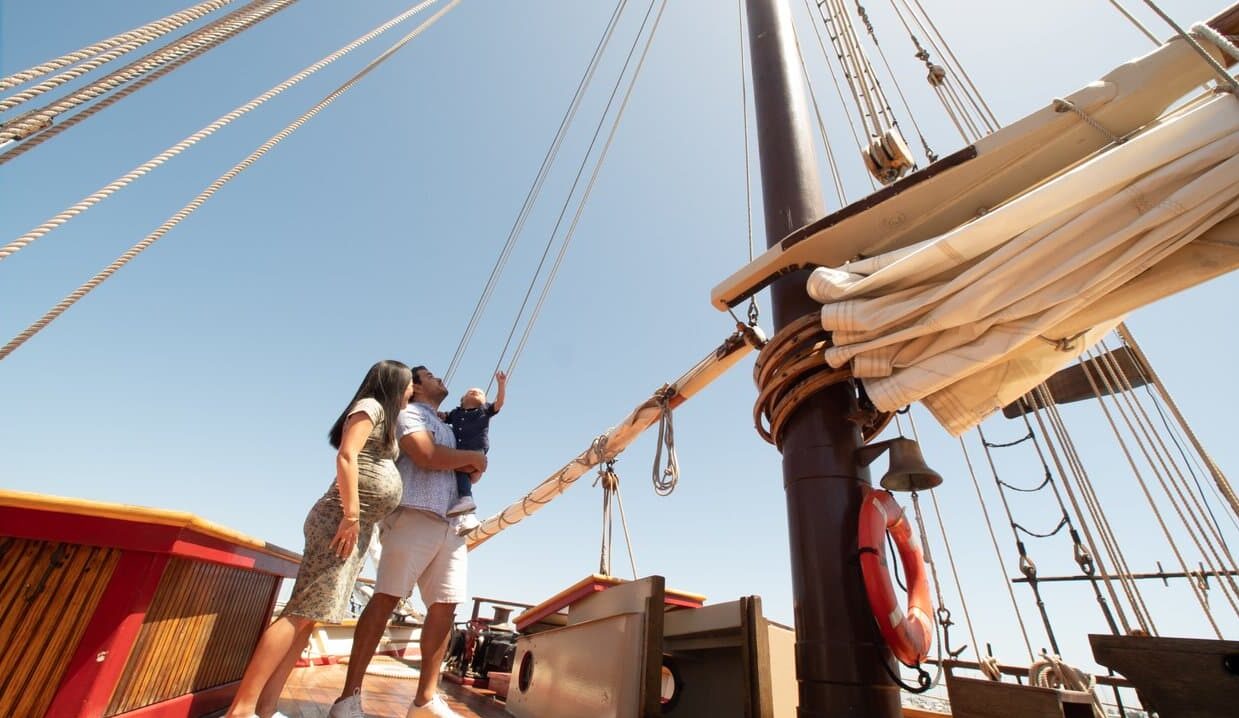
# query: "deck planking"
[[310, 692]]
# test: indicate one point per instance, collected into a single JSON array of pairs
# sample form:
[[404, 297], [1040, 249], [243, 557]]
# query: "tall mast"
[[839, 652]]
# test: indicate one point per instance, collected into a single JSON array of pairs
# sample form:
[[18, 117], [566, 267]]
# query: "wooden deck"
[[310, 692]]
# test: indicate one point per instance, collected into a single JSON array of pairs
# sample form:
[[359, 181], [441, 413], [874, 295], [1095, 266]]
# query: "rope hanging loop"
[[909, 635], [665, 480]]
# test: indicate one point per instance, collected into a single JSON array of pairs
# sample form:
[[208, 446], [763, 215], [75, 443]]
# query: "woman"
[[337, 532]]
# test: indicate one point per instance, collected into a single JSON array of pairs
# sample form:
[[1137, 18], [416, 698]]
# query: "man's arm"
[[497, 404], [419, 446]]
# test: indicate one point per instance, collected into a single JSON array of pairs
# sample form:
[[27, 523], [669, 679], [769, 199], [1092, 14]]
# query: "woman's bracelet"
[[352, 519]]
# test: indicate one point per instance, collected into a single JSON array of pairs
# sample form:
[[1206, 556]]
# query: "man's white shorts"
[[421, 548]]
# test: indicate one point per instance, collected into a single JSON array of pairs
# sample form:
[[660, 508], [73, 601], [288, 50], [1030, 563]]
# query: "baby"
[[471, 423]]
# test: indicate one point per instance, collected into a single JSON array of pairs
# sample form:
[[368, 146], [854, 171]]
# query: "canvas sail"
[[967, 321]]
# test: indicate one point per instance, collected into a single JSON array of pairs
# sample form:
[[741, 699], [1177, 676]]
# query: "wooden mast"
[[839, 653]]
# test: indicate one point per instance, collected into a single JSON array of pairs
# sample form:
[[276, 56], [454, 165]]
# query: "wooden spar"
[[953, 190], [613, 441], [1071, 384]]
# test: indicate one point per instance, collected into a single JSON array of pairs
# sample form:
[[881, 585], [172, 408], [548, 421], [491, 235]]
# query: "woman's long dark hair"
[[386, 383]]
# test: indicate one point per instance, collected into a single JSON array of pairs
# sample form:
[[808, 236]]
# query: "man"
[[420, 546]]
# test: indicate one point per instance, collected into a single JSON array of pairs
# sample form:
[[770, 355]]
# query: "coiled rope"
[[790, 369]]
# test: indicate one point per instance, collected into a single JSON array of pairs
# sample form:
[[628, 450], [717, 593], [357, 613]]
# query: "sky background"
[[204, 376]]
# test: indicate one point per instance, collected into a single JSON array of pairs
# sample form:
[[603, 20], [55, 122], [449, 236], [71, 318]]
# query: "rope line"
[[1002, 565], [1174, 548], [535, 191], [1111, 377], [665, 480], [835, 175], [214, 187], [1225, 78], [589, 187], [128, 178], [1138, 25], [85, 68], [148, 32], [23, 126], [47, 133]]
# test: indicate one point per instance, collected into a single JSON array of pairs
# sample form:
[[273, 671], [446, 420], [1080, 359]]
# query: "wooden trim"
[[47, 595], [101, 653], [655, 611], [14, 503], [590, 585], [197, 633], [757, 657]]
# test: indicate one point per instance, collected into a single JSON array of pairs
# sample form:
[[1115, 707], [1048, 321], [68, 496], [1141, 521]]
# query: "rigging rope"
[[835, 175], [1027, 566], [47, 133], [610, 487], [535, 190], [1132, 19], [665, 481], [821, 43], [1117, 395], [1226, 80], [116, 185], [944, 614], [1174, 548], [754, 312], [140, 36], [930, 155], [589, 187], [36, 120], [1045, 403], [1052, 672], [1002, 565], [975, 98], [215, 186], [1220, 481], [1197, 508]]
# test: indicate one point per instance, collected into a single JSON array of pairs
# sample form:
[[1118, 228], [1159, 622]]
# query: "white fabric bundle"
[[968, 321]]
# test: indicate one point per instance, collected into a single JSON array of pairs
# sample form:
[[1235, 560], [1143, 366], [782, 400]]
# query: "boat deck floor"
[[310, 692]]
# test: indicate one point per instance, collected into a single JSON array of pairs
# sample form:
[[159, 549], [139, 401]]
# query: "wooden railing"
[[108, 609]]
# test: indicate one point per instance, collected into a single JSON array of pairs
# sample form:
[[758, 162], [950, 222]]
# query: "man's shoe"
[[466, 523], [464, 506], [348, 708], [436, 708]]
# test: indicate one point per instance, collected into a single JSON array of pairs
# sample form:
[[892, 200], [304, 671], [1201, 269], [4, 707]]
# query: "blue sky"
[[205, 375]]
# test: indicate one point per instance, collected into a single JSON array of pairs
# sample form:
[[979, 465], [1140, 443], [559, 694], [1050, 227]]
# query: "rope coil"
[[790, 369], [666, 480]]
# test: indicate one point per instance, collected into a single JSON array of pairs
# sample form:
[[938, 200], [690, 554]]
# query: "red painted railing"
[[108, 609]]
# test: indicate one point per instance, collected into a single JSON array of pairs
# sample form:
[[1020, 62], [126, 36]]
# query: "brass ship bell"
[[907, 470]]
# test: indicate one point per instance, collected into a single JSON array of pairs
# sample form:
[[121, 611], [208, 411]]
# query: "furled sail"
[[1060, 265]]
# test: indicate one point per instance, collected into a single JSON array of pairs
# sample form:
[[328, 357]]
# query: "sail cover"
[[972, 319]]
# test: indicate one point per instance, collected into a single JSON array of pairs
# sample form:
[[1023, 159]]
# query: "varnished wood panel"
[[198, 633], [48, 592]]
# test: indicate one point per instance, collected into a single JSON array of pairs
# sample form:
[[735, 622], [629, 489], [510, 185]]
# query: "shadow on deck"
[[310, 692]]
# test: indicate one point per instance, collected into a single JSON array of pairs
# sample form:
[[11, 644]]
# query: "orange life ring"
[[909, 634]]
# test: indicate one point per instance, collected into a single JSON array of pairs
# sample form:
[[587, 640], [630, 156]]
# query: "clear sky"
[[205, 375]]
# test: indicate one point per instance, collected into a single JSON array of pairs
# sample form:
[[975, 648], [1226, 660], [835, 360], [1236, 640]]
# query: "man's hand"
[[475, 476], [501, 377], [475, 463]]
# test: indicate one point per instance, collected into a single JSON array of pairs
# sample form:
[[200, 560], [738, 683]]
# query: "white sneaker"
[[436, 708], [463, 506], [466, 523], [348, 708]]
